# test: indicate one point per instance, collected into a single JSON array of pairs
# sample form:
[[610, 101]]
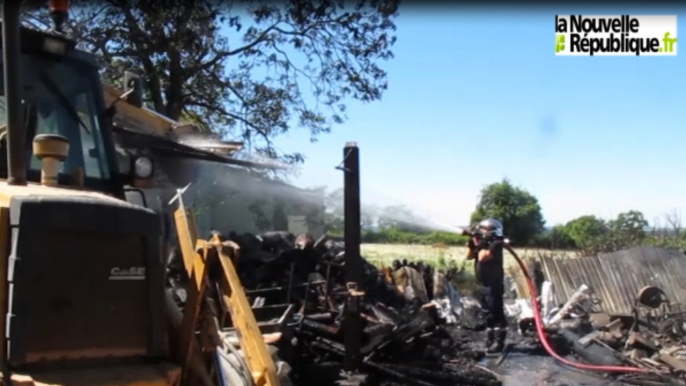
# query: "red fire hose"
[[544, 338]]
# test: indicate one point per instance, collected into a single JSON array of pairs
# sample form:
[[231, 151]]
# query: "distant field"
[[384, 254], [443, 256]]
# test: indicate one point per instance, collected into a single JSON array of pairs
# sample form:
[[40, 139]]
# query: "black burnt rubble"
[[652, 337], [419, 331], [296, 286]]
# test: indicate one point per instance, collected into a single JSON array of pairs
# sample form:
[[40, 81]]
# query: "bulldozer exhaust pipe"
[[16, 160], [353, 260]]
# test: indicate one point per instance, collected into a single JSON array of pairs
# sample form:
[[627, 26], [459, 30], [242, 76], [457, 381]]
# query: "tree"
[[593, 235], [248, 70], [668, 231], [628, 229], [517, 209], [556, 238], [560, 238], [588, 232]]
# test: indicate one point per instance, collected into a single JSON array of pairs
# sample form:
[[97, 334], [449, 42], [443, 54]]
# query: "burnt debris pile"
[[298, 293], [651, 338]]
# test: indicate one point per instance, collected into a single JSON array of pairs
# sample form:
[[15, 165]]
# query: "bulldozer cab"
[[61, 94]]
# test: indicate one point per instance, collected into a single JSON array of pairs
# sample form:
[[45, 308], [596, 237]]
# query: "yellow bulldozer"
[[82, 277]]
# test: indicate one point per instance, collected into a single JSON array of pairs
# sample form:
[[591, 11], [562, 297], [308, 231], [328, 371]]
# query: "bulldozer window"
[[64, 98]]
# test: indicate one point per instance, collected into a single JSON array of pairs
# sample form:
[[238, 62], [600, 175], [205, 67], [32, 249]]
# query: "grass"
[[384, 254], [443, 257]]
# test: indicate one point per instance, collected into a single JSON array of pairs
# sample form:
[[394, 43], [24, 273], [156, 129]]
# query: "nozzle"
[[51, 150]]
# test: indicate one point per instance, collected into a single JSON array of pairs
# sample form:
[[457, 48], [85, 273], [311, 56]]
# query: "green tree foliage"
[[587, 231], [668, 232], [249, 70], [556, 238], [592, 235], [518, 210], [628, 229], [398, 236]]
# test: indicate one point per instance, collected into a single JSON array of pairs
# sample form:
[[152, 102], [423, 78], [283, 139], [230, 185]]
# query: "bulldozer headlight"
[[54, 46], [143, 168]]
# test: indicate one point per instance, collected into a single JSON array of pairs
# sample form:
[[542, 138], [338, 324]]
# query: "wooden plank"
[[673, 362], [257, 354], [186, 240], [192, 308], [196, 291]]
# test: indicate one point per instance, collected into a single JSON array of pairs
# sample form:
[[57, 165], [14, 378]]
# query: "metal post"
[[16, 162], [353, 260]]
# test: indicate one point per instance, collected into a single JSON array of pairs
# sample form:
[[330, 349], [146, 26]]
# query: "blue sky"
[[475, 96]]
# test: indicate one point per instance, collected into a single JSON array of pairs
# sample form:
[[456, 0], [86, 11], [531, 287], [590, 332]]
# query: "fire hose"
[[543, 337]]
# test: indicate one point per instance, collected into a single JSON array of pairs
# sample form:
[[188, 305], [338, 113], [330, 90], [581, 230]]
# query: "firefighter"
[[486, 248]]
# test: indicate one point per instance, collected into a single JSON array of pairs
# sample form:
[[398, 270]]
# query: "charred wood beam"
[[283, 288], [321, 328], [385, 370], [353, 260]]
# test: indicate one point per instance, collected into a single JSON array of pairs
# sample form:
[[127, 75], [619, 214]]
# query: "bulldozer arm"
[[196, 255]]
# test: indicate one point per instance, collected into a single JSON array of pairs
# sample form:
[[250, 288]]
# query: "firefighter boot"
[[490, 337], [498, 343]]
